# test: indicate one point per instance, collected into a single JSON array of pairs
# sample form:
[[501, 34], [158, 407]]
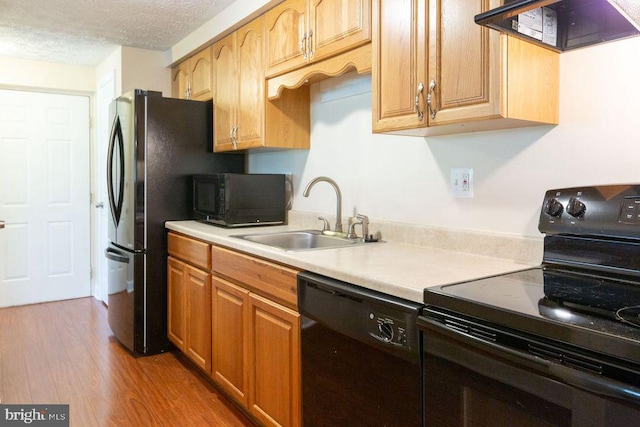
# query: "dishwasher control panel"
[[387, 329]]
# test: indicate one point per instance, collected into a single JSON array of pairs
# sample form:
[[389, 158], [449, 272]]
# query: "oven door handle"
[[594, 384], [586, 381]]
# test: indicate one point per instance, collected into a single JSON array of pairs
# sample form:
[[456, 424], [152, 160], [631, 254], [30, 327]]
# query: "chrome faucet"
[[313, 182]]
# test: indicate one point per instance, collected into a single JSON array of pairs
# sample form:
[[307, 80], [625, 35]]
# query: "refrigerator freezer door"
[[125, 279]]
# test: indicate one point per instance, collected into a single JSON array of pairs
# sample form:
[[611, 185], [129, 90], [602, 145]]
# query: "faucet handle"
[[359, 220], [363, 218], [325, 223], [364, 223]]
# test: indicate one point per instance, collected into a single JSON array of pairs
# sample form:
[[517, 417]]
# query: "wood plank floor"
[[65, 352]]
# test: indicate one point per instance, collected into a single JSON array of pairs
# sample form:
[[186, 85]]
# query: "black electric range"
[[575, 319]]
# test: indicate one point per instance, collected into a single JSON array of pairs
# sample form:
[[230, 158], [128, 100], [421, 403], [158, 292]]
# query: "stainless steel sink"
[[304, 240]]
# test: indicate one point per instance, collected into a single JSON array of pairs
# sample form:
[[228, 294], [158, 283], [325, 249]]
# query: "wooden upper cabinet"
[[337, 25], [436, 72], [191, 79], [286, 27], [466, 77], [225, 92], [399, 63], [299, 32], [200, 71], [180, 80], [243, 116], [251, 87], [238, 70]]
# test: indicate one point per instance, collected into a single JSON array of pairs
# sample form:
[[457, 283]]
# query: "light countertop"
[[398, 269]]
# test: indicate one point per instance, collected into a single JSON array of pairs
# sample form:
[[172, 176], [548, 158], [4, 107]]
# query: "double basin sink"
[[304, 240]]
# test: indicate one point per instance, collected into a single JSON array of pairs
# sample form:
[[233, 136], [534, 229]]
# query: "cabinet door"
[[229, 333], [251, 87], [225, 92], [399, 64], [198, 318], [180, 80], [176, 303], [337, 25], [466, 73], [286, 43], [200, 72], [274, 351]]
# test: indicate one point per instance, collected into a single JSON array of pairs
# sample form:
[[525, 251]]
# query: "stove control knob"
[[386, 330], [553, 207], [576, 208]]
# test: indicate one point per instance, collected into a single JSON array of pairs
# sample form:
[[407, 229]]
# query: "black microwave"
[[238, 200]]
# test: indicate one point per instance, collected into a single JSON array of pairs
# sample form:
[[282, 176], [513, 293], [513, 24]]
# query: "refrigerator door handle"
[[115, 143], [115, 255]]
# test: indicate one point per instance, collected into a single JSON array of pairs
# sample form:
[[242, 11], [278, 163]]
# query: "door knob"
[[100, 205], [1, 224]]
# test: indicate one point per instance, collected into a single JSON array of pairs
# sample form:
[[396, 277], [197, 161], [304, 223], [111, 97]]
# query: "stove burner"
[[630, 315]]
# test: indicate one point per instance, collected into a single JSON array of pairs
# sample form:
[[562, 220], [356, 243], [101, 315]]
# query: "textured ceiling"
[[84, 32]]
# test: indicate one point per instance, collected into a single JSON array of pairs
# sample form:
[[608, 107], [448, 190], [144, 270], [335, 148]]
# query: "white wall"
[[136, 69], [407, 179], [46, 76], [238, 13], [145, 69]]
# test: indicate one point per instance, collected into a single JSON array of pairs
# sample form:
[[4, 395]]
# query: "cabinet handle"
[[234, 137], [303, 46], [430, 102], [310, 44], [420, 112]]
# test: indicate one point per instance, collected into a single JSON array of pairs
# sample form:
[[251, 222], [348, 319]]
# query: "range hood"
[[563, 25]]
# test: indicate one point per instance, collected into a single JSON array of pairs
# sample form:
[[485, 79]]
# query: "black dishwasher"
[[361, 356]]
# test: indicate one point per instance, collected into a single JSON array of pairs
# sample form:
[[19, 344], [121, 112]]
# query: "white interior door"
[[44, 197], [105, 95]]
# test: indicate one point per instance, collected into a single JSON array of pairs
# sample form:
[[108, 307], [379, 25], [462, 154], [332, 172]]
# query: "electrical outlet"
[[462, 182]]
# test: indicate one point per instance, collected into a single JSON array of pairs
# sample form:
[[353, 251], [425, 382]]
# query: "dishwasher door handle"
[[334, 292]]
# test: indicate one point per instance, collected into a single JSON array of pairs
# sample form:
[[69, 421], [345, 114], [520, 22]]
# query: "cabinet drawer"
[[265, 278], [192, 251]]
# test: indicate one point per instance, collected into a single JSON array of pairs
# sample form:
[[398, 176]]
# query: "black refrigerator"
[[155, 145]]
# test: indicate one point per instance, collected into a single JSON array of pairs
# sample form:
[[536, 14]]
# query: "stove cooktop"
[[598, 313], [586, 293]]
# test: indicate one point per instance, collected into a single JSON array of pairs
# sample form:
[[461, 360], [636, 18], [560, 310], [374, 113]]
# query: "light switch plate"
[[462, 182]]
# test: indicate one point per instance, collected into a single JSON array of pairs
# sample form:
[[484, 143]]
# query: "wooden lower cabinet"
[[229, 339], [256, 353], [234, 315], [274, 365], [189, 311], [177, 303], [198, 344]]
